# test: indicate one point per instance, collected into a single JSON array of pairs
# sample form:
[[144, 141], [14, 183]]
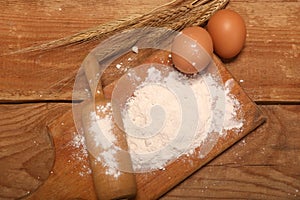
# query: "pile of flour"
[[169, 116]]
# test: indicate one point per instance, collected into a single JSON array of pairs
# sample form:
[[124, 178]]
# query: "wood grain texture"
[[268, 64], [264, 165], [26, 149], [50, 75]]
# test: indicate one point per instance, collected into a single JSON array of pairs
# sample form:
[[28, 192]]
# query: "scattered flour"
[[78, 142], [232, 105], [167, 117], [103, 139], [135, 49]]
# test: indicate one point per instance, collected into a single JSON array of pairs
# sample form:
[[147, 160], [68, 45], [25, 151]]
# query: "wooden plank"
[[268, 65], [26, 149], [264, 165], [50, 76]]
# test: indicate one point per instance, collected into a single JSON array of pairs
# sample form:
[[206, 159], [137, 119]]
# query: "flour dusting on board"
[[155, 116], [102, 133], [232, 107], [156, 151], [80, 155]]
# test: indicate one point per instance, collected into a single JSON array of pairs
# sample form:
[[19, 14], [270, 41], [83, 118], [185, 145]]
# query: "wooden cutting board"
[[71, 179]]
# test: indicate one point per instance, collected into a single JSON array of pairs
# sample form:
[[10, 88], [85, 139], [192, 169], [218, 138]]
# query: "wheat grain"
[[175, 16]]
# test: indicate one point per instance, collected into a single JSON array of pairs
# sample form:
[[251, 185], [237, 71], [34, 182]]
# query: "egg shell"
[[228, 31], [192, 50]]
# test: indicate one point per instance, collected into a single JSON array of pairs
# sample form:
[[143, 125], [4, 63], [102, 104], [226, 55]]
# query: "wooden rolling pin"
[[107, 185]]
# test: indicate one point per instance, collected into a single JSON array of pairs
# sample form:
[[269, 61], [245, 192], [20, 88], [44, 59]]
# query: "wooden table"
[[34, 90]]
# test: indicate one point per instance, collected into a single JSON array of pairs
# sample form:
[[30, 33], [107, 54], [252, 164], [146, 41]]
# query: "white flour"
[[139, 108], [216, 107], [168, 117], [103, 138], [232, 107], [81, 154]]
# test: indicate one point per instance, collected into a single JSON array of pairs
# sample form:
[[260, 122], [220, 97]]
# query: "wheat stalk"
[[175, 15]]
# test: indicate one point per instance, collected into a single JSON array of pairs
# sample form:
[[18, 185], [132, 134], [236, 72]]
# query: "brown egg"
[[192, 50], [228, 32]]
